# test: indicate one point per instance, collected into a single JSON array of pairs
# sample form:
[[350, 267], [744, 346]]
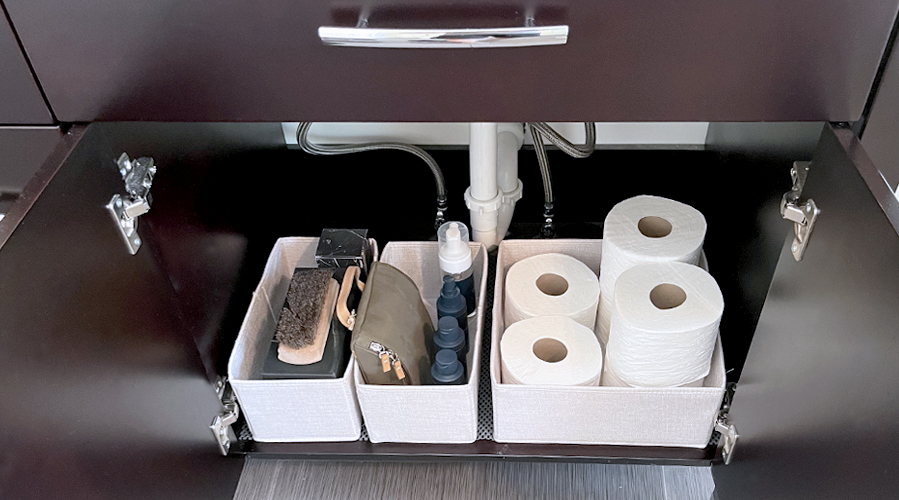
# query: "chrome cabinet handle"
[[529, 36]]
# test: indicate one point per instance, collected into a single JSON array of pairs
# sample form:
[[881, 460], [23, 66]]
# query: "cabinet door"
[[638, 60], [881, 134], [816, 406], [24, 151], [21, 101], [104, 394]]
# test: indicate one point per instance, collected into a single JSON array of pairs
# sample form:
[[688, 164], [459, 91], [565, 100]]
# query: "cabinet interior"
[[224, 193]]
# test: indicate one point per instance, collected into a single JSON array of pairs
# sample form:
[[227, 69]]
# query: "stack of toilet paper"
[[658, 312], [550, 306], [592, 415], [640, 230]]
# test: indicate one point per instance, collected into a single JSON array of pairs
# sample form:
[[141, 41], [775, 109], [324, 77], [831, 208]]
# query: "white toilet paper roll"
[[550, 350], [665, 319], [611, 379], [645, 229], [551, 284]]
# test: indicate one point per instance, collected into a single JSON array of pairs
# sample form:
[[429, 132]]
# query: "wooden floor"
[[265, 479]]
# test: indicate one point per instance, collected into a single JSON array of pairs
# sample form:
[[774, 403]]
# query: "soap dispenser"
[[455, 260]]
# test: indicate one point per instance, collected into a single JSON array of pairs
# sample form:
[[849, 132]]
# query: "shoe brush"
[[305, 320]]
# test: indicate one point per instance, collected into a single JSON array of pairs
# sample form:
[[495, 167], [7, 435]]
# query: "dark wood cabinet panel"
[[881, 135], [20, 99], [107, 358], [24, 150], [104, 393], [815, 405], [625, 61]]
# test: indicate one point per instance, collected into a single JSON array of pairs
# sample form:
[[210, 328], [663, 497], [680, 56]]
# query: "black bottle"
[[450, 336], [447, 370], [452, 303], [466, 288]]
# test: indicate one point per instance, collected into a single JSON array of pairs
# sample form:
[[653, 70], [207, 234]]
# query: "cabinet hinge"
[[727, 430], [802, 215], [137, 176], [221, 424], [728, 440]]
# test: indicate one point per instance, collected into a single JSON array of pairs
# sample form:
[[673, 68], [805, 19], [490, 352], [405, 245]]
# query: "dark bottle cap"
[[450, 289], [451, 301], [447, 369], [449, 335]]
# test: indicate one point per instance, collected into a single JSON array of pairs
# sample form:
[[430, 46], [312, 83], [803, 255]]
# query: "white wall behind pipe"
[[690, 134]]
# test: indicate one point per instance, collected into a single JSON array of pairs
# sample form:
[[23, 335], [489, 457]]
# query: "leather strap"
[[344, 315]]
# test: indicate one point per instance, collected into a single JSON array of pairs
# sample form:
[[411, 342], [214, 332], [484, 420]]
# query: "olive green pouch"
[[392, 330]]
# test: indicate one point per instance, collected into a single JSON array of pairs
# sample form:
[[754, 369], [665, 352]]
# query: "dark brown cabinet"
[[814, 404], [765, 60], [21, 102], [881, 135], [108, 359]]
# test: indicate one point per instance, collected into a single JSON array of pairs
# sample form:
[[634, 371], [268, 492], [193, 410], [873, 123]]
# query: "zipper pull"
[[397, 366], [383, 353], [388, 359]]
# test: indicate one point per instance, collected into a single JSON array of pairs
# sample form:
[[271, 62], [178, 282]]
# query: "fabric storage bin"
[[288, 410], [428, 413], [630, 416]]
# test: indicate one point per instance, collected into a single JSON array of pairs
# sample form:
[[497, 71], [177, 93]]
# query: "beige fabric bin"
[[288, 410], [428, 413], [630, 416]]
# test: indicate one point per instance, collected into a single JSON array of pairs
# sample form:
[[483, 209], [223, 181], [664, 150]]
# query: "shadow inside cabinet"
[[225, 192]]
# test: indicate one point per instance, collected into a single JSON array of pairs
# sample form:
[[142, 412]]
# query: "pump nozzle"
[[454, 252]]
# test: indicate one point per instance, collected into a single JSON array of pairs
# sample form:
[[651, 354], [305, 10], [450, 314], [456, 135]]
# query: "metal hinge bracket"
[[802, 215], [729, 436], [728, 432], [125, 209], [221, 424]]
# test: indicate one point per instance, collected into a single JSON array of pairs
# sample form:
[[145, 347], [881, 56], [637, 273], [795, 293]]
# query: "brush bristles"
[[300, 319]]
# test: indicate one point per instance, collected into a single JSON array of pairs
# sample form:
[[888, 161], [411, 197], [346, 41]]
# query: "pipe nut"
[[483, 206]]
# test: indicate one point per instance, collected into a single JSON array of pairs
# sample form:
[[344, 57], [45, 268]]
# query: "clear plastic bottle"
[[455, 260]]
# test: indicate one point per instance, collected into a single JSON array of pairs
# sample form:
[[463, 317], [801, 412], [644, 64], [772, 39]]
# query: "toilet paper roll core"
[[667, 296], [654, 227], [550, 350]]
